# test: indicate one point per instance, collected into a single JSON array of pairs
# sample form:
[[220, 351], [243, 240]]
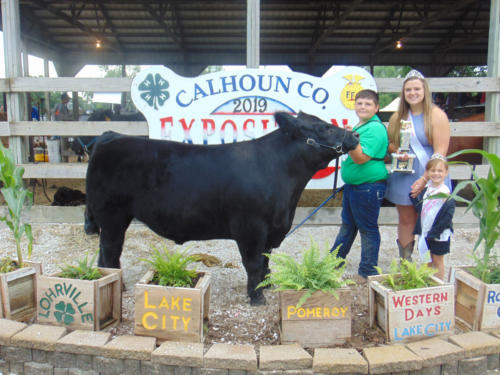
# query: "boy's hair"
[[367, 94], [434, 162]]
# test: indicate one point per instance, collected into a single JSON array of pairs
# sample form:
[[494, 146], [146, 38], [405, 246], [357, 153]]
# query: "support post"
[[16, 106], [492, 107], [27, 141], [123, 101], [253, 33], [46, 94]]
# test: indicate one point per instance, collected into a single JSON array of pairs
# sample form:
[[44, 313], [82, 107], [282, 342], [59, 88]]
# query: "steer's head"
[[318, 133]]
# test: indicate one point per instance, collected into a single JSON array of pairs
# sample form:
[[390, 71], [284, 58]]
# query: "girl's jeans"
[[360, 211]]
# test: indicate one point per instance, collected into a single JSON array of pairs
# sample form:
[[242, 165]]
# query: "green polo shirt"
[[374, 142]]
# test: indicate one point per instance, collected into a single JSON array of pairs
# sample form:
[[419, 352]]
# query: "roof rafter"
[[387, 24], [109, 23], [159, 18], [72, 21], [338, 20], [421, 25], [44, 37], [445, 42]]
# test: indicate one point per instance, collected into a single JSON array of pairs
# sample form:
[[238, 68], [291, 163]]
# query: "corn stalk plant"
[[17, 198], [485, 206], [314, 273]]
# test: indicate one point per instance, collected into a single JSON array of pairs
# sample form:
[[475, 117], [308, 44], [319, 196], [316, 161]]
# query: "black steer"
[[245, 191]]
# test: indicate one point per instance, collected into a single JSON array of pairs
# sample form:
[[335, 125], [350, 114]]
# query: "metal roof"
[[309, 36]]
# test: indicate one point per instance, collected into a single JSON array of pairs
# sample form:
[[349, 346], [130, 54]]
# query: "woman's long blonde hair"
[[403, 110]]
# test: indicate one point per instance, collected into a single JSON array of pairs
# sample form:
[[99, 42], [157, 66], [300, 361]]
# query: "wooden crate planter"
[[477, 304], [171, 313], [321, 321], [412, 314], [80, 304], [18, 291]]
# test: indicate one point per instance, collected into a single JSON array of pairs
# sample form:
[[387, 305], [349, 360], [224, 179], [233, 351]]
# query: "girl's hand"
[[403, 157], [348, 127]]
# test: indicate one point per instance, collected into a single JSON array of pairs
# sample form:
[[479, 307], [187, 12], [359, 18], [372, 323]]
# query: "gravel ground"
[[232, 319]]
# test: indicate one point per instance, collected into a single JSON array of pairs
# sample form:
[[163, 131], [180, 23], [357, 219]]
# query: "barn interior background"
[[187, 36]]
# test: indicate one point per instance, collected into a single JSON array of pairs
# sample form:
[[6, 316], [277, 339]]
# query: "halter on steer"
[[337, 148]]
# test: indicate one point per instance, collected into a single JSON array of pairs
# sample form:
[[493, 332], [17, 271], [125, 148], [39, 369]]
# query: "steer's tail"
[[90, 225]]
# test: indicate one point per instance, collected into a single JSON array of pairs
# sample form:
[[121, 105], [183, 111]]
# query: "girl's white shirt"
[[430, 208]]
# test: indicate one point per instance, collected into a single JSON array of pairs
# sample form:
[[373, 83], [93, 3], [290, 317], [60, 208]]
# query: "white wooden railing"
[[75, 128], [78, 128]]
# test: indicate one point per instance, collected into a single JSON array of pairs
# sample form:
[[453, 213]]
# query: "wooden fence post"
[[492, 109]]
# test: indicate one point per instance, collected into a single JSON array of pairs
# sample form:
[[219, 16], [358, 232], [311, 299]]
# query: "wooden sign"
[[412, 314], [80, 304], [171, 313], [477, 303], [238, 105], [322, 320]]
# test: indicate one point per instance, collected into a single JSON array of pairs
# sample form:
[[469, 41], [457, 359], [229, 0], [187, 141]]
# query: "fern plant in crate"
[[17, 277], [478, 287], [408, 275], [172, 299], [171, 268], [409, 303], [81, 296], [313, 297], [83, 270]]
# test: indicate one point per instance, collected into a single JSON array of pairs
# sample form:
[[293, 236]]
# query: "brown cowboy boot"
[[406, 251]]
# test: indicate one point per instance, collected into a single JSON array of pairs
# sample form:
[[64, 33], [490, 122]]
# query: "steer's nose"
[[356, 135]]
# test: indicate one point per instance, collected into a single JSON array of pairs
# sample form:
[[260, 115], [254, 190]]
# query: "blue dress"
[[399, 184]]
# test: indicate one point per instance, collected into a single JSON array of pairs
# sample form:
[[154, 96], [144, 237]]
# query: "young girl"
[[434, 224]]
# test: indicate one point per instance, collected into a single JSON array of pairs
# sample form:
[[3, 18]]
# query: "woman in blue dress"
[[431, 136]]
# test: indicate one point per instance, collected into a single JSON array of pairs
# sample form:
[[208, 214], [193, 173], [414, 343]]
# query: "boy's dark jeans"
[[360, 211]]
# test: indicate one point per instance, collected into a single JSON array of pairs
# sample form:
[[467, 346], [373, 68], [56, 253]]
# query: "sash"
[[430, 209], [416, 146]]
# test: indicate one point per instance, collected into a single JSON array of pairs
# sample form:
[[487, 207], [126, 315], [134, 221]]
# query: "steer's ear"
[[287, 123]]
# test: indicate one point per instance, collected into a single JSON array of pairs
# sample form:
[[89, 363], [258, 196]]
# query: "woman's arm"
[[440, 131], [391, 130], [440, 142]]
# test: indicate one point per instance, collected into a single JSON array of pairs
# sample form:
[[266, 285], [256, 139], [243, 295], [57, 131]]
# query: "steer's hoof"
[[257, 301]]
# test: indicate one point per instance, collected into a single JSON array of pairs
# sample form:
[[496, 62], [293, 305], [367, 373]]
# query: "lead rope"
[[335, 192]]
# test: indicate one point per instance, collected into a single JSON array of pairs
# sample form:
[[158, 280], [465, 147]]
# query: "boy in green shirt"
[[364, 174]]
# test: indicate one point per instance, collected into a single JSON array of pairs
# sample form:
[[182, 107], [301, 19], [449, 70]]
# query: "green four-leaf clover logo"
[[64, 313], [155, 90]]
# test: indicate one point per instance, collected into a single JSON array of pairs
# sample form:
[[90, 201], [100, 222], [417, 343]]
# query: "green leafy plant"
[[171, 267], [84, 270], [487, 272], [408, 275], [485, 206], [17, 198], [314, 273], [7, 264]]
